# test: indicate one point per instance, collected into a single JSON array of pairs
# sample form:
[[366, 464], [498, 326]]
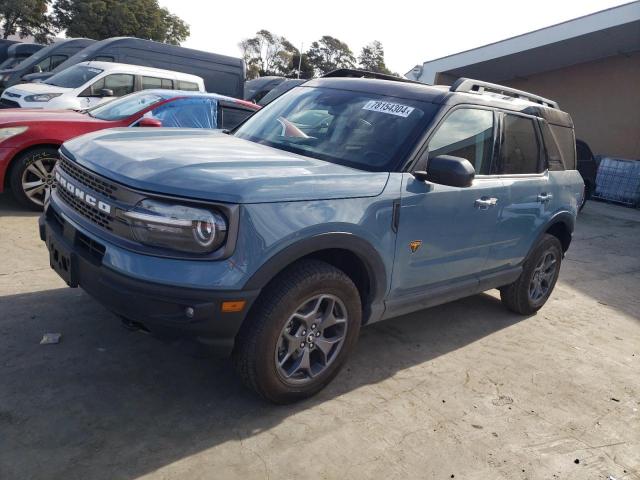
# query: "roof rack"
[[355, 73], [477, 86]]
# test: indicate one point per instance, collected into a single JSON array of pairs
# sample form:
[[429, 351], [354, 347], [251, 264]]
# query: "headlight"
[[177, 227], [41, 97], [8, 132]]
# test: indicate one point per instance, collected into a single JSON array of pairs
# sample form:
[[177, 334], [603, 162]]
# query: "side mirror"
[[106, 92], [149, 122], [448, 170]]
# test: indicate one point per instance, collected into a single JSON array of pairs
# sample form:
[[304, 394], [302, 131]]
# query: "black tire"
[[38, 157], [257, 343], [517, 296]]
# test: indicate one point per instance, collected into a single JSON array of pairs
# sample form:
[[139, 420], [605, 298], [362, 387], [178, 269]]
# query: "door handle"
[[485, 202], [544, 197]]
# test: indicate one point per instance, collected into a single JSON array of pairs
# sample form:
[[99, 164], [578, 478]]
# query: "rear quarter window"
[[566, 142], [189, 86]]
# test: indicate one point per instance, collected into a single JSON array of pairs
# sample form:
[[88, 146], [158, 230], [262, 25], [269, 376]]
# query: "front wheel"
[[539, 274], [31, 176], [299, 333]]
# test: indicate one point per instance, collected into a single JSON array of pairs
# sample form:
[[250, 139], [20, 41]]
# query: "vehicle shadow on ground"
[[10, 208], [108, 403]]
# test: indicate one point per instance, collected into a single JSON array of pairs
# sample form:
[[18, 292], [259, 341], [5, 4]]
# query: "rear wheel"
[[538, 278], [31, 176], [299, 332]]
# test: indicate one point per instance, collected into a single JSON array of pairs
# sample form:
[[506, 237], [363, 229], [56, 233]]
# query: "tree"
[[305, 67], [329, 53], [100, 19], [372, 58], [267, 54], [26, 17]]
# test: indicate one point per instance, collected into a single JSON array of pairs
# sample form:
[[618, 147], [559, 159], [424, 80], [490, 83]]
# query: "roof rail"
[[355, 73], [478, 86]]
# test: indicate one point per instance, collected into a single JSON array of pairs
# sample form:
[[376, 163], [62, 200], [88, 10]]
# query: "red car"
[[29, 139]]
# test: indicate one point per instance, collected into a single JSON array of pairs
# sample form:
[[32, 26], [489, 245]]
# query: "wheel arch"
[[348, 252], [560, 226]]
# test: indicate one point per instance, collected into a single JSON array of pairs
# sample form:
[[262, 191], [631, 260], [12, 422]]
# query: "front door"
[[445, 233]]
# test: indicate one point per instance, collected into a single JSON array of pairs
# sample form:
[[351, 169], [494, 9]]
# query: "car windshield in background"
[[73, 77], [357, 129], [124, 107], [11, 62]]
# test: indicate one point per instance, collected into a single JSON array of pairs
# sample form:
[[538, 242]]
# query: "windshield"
[[124, 107], [73, 77], [357, 129]]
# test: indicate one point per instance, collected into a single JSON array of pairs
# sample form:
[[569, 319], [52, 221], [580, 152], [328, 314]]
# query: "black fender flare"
[[562, 217], [361, 248]]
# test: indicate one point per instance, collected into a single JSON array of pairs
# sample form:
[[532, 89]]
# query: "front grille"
[[4, 103], [96, 216], [94, 249], [92, 181]]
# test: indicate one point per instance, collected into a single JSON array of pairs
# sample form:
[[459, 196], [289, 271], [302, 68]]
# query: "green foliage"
[[329, 53], [267, 54], [26, 17], [100, 19], [372, 58]]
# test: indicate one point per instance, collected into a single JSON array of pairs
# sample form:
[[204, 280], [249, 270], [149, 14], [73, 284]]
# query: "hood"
[[210, 165], [33, 88], [38, 115]]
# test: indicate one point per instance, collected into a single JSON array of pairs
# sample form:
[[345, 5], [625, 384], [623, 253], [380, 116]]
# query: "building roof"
[[602, 34]]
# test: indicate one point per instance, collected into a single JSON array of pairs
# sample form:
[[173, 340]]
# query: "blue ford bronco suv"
[[344, 202]]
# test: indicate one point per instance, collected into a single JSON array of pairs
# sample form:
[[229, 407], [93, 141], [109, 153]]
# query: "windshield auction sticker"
[[388, 107]]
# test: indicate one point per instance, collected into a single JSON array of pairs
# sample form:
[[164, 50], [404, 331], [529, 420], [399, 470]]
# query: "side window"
[[43, 65], [189, 86], [466, 133], [168, 84], [567, 143], [232, 117], [103, 58], [519, 149], [554, 160], [57, 60], [151, 82], [120, 83], [187, 113]]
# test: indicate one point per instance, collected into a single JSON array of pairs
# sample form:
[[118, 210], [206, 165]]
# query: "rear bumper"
[[164, 310]]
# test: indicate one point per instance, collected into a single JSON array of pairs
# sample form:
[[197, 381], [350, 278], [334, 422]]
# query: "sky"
[[411, 32]]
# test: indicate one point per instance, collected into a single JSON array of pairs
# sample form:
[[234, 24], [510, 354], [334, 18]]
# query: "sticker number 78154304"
[[388, 107]]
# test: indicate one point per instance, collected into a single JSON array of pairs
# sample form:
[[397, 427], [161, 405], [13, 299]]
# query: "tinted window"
[[466, 133], [519, 150], [358, 129], [55, 61], [120, 83], [567, 143], [189, 86], [187, 113], [73, 77], [103, 59], [554, 160], [232, 117]]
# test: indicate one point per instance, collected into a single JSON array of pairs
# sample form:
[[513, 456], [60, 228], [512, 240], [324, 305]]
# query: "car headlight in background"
[[177, 227], [8, 132], [41, 97]]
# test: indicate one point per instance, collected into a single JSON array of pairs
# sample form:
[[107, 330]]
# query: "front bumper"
[[164, 310]]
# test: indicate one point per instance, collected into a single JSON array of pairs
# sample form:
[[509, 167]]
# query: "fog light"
[[234, 306]]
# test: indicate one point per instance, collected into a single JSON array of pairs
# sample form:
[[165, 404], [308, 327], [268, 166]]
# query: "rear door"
[[521, 165]]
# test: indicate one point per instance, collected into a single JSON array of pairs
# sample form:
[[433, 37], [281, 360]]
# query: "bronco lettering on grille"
[[82, 195]]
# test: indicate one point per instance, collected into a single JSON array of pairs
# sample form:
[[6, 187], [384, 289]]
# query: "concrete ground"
[[466, 390]]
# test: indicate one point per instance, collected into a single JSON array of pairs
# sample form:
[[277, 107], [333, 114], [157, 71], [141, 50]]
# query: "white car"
[[87, 84]]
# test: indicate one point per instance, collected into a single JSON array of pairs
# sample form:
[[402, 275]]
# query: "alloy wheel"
[[37, 179], [311, 339], [543, 276]]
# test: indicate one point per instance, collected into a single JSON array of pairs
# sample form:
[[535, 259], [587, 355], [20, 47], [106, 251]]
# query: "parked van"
[[44, 60], [18, 52], [221, 74], [90, 83]]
